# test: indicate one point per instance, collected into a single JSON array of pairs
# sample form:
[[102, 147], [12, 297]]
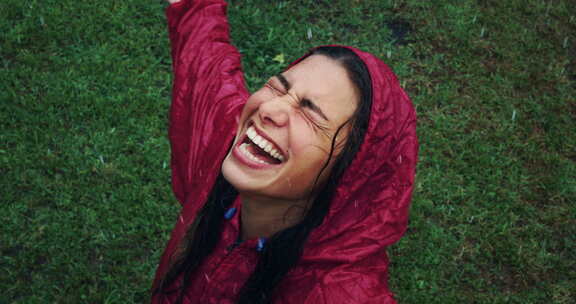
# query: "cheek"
[[251, 105], [304, 139], [302, 178]]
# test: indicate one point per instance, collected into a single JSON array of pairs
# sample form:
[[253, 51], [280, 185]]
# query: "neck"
[[262, 217]]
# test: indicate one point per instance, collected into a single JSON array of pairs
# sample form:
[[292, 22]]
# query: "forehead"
[[326, 83]]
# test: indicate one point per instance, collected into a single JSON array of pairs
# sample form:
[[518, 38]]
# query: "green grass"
[[84, 95]]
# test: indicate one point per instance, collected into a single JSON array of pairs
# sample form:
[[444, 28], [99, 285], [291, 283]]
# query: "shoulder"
[[341, 285]]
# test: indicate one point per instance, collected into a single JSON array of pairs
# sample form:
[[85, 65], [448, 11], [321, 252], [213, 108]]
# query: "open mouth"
[[260, 149]]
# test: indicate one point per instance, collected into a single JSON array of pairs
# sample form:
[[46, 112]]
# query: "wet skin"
[[296, 114]]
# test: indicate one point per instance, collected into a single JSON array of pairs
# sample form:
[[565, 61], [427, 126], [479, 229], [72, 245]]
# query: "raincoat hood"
[[370, 208]]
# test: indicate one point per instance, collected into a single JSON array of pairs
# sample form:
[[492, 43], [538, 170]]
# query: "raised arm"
[[208, 91]]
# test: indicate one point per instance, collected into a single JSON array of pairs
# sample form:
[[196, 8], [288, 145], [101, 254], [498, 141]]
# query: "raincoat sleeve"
[[208, 91]]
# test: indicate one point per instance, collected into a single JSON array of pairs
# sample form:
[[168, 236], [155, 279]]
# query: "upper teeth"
[[263, 143]]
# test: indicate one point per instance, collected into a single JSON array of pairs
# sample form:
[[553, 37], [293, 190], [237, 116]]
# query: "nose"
[[276, 111]]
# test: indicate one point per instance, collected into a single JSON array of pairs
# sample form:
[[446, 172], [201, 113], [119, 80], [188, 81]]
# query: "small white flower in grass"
[[279, 58]]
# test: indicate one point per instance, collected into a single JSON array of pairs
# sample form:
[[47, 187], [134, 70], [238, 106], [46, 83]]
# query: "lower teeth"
[[244, 149]]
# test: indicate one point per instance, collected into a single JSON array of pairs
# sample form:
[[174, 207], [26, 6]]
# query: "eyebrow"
[[307, 102]]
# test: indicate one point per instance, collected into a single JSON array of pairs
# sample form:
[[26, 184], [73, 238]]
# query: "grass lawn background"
[[86, 204]]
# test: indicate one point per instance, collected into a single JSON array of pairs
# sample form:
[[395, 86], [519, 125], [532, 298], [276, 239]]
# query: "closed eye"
[[274, 89], [306, 103]]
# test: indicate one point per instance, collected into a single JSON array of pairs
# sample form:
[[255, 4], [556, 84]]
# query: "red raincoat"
[[344, 259]]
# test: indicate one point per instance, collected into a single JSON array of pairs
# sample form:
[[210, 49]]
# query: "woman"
[[293, 193]]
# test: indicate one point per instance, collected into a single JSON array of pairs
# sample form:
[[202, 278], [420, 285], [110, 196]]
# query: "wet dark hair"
[[282, 250]]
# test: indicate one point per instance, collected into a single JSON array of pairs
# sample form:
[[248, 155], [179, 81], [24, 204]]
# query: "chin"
[[234, 175], [269, 186]]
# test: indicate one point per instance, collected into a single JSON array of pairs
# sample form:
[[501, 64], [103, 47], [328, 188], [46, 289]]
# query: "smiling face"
[[286, 128]]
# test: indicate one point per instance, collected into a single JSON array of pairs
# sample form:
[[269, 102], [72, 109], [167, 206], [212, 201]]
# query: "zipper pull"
[[261, 243]]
